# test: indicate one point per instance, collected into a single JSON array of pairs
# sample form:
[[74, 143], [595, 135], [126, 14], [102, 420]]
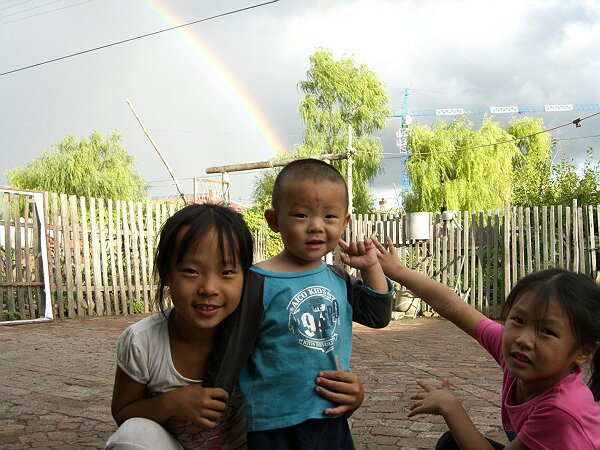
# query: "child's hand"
[[360, 254], [433, 400], [388, 258], [199, 405], [342, 388]]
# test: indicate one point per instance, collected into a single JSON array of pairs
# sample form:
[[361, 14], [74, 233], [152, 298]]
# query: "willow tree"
[[533, 163], [96, 167], [339, 94], [454, 167]]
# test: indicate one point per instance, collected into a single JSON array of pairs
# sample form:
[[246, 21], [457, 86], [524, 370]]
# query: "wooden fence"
[[100, 252]]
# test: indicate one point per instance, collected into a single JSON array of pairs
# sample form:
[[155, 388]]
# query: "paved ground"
[[56, 382]]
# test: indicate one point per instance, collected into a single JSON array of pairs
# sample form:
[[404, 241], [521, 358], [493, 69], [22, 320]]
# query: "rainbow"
[[232, 86]]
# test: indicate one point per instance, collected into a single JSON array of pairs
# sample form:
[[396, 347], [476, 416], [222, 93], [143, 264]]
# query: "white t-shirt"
[[143, 353]]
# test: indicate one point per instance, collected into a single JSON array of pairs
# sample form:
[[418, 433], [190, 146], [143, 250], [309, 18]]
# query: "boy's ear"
[[346, 219], [271, 218]]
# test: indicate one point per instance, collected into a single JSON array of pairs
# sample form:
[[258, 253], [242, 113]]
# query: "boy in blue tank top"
[[295, 317]]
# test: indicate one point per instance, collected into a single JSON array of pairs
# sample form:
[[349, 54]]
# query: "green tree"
[[532, 166], [339, 93], [569, 183], [90, 168], [455, 167]]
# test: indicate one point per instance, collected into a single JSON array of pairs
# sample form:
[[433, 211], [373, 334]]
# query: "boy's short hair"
[[306, 169]]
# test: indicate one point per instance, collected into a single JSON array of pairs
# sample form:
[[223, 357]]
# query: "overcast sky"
[[224, 91]]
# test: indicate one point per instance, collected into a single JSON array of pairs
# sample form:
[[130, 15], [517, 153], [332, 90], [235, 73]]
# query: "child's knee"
[[139, 433]]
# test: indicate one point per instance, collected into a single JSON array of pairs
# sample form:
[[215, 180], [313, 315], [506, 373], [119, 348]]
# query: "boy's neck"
[[284, 262]]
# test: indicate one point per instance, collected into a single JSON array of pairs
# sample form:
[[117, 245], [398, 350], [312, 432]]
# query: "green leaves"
[[91, 168]]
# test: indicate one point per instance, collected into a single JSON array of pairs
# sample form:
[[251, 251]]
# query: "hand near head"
[[342, 388], [432, 400], [199, 405], [361, 254]]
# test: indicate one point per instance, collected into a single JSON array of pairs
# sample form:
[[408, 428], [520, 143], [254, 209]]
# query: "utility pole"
[[349, 154], [157, 151]]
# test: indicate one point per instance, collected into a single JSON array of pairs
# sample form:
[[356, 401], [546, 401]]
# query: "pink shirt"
[[564, 417]]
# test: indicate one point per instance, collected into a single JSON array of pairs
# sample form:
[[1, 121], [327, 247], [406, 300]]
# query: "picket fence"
[[99, 253]]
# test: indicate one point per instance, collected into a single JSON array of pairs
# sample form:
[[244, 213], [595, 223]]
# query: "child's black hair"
[[578, 296], [233, 236], [306, 169]]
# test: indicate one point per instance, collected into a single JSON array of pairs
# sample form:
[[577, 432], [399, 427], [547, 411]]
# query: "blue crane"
[[406, 118]]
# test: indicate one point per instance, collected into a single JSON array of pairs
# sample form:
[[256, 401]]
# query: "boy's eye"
[[330, 216]]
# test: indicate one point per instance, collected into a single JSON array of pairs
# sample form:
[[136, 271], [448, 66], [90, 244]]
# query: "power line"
[[41, 13], [576, 122], [139, 37]]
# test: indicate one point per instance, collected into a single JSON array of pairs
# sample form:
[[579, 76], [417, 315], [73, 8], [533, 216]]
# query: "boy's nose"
[[315, 224]]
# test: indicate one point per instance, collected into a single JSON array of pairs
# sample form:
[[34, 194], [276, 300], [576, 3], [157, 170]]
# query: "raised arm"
[[440, 297]]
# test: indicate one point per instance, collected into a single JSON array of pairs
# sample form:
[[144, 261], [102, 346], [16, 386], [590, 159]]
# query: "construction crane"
[[407, 116]]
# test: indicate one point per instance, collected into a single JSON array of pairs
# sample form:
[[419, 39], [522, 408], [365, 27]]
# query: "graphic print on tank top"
[[314, 318]]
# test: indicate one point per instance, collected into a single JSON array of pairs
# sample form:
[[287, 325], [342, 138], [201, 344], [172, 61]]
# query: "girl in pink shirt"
[[551, 328]]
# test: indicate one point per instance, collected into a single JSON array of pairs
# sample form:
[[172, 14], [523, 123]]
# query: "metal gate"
[[24, 278]]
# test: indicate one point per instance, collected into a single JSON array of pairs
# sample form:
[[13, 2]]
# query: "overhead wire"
[[576, 122], [101, 47], [41, 13]]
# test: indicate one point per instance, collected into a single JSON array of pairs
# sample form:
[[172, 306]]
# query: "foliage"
[[91, 168], [257, 224], [454, 167], [338, 94], [533, 164], [568, 183]]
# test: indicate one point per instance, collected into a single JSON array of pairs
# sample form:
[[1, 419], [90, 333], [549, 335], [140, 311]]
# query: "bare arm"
[[440, 297], [443, 402], [200, 405], [362, 255]]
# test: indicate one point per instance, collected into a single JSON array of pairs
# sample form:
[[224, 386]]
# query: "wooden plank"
[[150, 210], [495, 270], [8, 258], [104, 252], [569, 260], [120, 257], [489, 306], [96, 250], [67, 250], [18, 252], [536, 237], [135, 250], [143, 255], [544, 237], [591, 254], [528, 239], [581, 242], [56, 267], [31, 246], [552, 231], [127, 255], [85, 240], [560, 237], [465, 240]]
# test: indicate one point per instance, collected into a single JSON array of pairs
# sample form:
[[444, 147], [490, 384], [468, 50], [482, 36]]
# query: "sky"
[[223, 90]]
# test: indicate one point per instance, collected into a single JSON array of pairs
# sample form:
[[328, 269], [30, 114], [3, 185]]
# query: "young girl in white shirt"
[[159, 400]]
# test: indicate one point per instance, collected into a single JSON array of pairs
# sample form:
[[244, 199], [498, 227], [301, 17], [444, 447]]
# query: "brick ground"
[[56, 382]]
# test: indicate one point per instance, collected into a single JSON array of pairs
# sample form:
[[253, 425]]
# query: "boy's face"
[[311, 218]]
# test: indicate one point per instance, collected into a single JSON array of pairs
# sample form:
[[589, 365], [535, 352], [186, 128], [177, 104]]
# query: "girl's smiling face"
[[205, 286], [539, 350]]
